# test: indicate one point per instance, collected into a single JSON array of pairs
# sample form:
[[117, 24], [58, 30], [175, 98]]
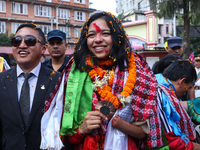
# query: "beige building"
[[65, 15]]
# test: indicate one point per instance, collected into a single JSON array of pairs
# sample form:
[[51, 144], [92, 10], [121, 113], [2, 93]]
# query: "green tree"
[[168, 8], [5, 40]]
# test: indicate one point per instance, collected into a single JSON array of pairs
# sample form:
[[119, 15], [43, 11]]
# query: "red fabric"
[[176, 143], [90, 143], [131, 143], [78, 145], [144, 102], [75, 138]]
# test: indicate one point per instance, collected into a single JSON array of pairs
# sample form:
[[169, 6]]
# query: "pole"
[[67, 22], [51, 23], [57, 14], [174, 25]]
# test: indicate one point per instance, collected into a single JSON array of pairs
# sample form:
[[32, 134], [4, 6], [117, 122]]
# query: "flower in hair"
[[86, 27], [36, 27]]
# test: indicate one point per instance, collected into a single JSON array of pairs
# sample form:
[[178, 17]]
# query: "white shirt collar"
[[35, 71]]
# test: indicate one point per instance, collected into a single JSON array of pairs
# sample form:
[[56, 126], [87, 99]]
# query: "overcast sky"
[[106, 5]]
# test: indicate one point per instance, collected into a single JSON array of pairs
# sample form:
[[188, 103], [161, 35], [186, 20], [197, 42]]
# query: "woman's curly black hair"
[[121, 44]]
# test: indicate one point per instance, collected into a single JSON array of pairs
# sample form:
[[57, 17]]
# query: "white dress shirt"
[[32, 81]]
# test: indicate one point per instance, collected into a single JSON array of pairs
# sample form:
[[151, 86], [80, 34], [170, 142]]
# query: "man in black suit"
[[19, 128]]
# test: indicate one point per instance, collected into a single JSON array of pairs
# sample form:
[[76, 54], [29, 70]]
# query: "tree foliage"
[[195, 45], [5, 40], [189, 9]]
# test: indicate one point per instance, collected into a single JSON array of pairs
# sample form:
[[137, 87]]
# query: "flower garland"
[[108, 62], [103, 81]]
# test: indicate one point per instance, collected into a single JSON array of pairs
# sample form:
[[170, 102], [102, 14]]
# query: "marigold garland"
[[99, 75], [106, 63]]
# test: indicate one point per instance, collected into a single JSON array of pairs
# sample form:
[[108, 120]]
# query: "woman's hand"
[[92, 121]]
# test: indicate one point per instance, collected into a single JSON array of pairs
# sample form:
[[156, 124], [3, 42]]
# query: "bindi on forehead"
[[98, 29]]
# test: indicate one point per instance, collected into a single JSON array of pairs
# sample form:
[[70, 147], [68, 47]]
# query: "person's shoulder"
[[67, 58], [46, 61], [6, 73], [48, 70]]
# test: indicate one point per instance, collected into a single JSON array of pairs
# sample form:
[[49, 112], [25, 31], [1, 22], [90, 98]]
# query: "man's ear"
[[167, 48], [182, 80], [66, 44], [43, 48]]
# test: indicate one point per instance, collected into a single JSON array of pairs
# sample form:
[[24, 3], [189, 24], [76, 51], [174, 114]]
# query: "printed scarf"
[[185, 123]]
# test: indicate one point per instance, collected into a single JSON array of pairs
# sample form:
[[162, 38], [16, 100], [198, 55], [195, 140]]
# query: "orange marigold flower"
[[127, 89], [105, 91], [130, 85], [126, 94]]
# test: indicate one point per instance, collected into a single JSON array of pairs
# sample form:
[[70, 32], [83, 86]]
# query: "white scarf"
[[51, 120]]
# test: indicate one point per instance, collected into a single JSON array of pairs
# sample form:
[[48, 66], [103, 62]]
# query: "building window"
[[122, 2], [49, 1], [42, 11], [167, 30], [63, 13], [2, 6], [77, 32], [159, 29], [66, 30], [19, 8], [14, 27], [80, 1], [80, 16], [139, 5], [2, 27], [45, 28]]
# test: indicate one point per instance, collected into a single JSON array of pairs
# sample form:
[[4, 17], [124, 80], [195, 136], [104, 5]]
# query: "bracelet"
[[79, 128]]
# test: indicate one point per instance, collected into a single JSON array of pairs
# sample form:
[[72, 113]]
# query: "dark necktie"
[[25, 99]]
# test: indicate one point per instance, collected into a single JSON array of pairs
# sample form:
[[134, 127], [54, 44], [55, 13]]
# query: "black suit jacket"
[[13, 135]]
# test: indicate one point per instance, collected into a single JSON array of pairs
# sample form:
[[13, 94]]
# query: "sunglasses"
[[29, 40]]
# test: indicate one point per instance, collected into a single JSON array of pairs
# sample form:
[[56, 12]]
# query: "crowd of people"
[[103, 97]]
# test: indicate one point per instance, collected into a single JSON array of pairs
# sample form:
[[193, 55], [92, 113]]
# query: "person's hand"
[[92, 121], [196, 146]]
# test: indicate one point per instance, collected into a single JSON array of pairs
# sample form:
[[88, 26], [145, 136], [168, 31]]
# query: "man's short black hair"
[[33, 26], [181, 69]]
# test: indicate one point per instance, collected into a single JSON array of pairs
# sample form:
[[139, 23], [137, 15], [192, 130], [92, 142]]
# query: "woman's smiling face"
[[99, 40]]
